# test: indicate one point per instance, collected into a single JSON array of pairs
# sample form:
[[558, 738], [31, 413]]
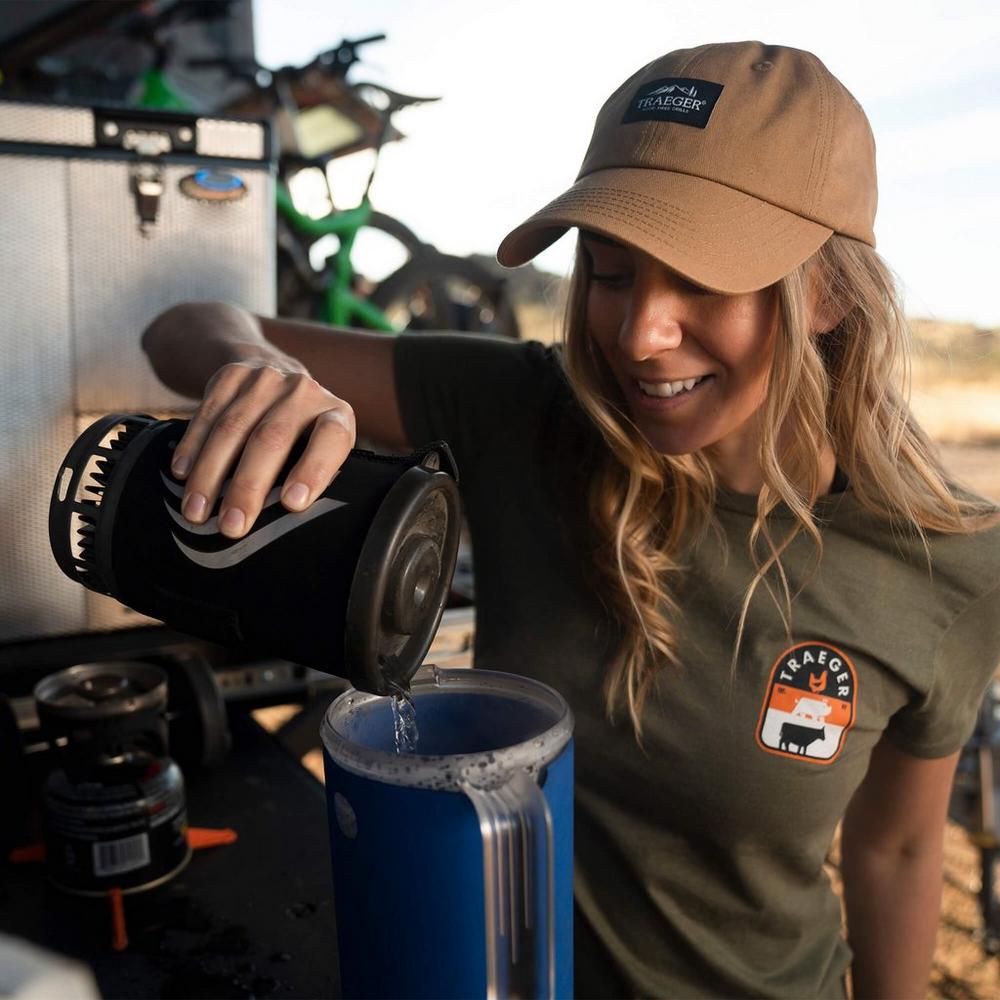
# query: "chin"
[[669, 442]]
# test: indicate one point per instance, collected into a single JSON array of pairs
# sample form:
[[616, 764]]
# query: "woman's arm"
[[265, 382], [891, 857], [187, 344]]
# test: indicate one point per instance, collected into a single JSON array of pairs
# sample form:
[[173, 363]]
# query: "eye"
[[611, 279]]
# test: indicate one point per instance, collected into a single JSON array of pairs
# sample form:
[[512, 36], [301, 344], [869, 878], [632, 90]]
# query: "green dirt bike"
[[319, 117]]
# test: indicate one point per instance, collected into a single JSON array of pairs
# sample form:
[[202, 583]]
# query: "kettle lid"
[[403, 577]]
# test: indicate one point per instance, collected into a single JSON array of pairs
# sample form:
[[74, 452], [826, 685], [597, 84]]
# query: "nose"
[[654, 319]]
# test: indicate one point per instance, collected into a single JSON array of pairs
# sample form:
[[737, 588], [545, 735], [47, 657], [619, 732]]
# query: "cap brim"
[[715, 236]]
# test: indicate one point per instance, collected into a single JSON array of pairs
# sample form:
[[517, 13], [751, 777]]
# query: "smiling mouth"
[[667, 390]]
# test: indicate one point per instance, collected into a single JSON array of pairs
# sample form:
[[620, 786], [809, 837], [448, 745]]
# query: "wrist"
[[260, 354]]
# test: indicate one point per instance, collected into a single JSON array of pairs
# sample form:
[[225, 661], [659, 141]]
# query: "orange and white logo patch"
[[810, 704]]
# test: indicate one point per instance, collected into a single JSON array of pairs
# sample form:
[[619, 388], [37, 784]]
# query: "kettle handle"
[[518, 887]]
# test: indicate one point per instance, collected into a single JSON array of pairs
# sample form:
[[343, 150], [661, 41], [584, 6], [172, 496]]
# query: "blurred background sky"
[[521, 82]]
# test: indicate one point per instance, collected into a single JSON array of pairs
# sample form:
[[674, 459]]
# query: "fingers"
[[267, 451], [220, 391], [250, 418], [231, 409], [332, 439]]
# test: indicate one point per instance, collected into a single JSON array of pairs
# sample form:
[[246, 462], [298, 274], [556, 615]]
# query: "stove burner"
[[114, 808]]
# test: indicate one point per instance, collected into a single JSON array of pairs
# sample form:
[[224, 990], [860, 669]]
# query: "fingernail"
[[232, 522], [180, 466], [193, 507], [296, 495]]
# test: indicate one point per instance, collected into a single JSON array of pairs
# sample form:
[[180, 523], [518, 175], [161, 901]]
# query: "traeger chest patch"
[[674, 99], [810, 703]]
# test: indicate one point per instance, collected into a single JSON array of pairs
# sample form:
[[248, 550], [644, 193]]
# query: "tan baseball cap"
[[731, 163]]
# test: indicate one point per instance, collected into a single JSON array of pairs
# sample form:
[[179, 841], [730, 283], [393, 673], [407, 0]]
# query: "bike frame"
[[341, 307], [156, 92]]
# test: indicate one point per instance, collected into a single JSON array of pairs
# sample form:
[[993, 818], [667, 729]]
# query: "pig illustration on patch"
[[810, 703]]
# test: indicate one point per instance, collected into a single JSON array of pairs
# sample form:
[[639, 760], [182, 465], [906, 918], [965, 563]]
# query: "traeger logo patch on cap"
[[674, 99], [810, 703]]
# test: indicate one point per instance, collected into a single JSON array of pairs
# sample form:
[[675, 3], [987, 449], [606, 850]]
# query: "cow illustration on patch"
[[810, 703]]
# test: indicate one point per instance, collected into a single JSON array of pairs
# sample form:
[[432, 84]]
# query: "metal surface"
[[95, 692], [240, 140], [35, 382], [516, 827], [122, 279], [26, 122], [79, 283]]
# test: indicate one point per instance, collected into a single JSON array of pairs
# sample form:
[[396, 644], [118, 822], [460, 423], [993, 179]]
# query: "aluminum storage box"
[[81, 275]]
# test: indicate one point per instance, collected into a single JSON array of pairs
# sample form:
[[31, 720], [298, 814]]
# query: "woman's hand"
[[250, 417], [263, 383]]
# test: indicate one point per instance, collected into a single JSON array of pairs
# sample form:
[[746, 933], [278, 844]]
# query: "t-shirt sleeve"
[[966, 658], [482, 395]]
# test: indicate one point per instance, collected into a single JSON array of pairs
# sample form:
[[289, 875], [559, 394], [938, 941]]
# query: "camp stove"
[[113, 807]]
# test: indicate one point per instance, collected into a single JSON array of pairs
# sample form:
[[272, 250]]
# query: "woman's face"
[[693, 364]]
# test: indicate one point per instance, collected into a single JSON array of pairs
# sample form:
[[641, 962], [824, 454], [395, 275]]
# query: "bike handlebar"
[[343, 56], [336, 61], [247, 68]]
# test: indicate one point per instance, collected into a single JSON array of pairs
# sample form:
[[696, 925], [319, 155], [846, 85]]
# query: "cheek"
[[748, 349], [604, 318]]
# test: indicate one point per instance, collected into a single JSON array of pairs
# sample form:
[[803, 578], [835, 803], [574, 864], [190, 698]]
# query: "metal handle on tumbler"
[[518, 883]]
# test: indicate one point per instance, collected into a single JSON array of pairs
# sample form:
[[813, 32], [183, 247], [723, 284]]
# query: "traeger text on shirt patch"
[[810, 703]]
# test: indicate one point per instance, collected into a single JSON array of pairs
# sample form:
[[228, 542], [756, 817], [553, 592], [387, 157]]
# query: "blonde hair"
[[847, 387]]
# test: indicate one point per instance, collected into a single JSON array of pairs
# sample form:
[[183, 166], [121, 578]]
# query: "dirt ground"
[[976, 466], [960, 407], [962, 970]]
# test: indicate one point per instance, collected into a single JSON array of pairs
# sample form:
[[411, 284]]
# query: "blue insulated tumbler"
[[453, 865]]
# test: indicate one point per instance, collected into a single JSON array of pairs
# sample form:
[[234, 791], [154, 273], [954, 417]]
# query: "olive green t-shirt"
[[699, 857]]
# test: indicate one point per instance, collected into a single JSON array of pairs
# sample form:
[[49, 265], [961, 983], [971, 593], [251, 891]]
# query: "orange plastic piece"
[[119, 936], [203, 836], [30, 855]]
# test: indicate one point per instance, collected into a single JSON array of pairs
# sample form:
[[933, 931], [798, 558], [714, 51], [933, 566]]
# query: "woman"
[[710, 521]]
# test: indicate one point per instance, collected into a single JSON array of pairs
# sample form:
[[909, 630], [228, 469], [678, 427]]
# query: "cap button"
[[763, 67]]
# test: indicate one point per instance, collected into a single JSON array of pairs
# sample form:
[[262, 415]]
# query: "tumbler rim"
[[488, 769]]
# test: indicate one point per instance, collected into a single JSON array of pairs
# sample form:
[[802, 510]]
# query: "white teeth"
[[667, 389]]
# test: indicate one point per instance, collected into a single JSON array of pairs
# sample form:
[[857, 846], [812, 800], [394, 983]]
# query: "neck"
[[737, 470]]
